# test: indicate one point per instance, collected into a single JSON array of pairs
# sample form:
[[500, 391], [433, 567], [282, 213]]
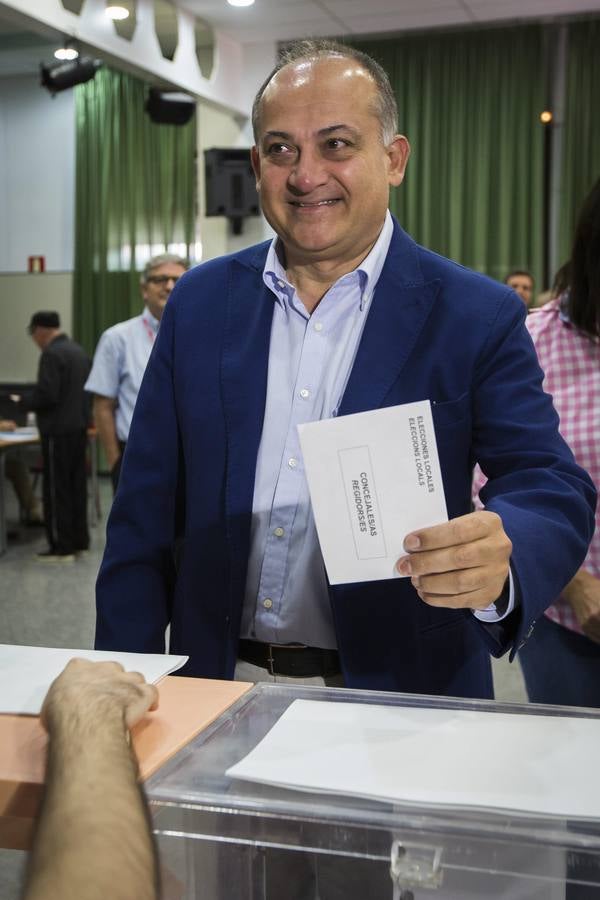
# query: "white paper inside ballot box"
[[373, 478]]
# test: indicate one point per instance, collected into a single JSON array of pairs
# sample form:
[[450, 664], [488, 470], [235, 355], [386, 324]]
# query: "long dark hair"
[[581, 275]]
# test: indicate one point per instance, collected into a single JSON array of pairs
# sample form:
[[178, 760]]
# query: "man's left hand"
[[460, 564]]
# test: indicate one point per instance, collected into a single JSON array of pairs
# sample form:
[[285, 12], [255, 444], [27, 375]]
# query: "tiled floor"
[[53, 605]]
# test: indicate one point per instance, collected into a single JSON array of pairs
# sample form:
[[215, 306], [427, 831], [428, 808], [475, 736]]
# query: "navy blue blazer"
[[178, 534]]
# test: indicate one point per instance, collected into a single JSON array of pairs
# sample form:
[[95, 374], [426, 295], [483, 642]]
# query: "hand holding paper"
[[85, 687], [376, 488], [373, 478], [461, 563]]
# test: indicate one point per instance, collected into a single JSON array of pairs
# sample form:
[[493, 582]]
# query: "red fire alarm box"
[[36, 264]]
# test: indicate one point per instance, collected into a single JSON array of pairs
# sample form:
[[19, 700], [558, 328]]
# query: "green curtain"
[[135, 197], [469, 103], [580, 166]]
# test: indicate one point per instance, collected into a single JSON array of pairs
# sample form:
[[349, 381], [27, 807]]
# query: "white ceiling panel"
[[534, 7], [513, 9], [345, 8], [398, 22], [288, 19]]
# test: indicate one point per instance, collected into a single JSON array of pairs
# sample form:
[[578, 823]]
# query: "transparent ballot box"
[[227, 838]]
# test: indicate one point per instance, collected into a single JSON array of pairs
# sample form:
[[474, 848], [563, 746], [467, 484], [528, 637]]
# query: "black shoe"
[[51, 556]]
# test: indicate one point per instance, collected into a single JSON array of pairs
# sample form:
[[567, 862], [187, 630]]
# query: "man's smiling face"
[[322, 169]]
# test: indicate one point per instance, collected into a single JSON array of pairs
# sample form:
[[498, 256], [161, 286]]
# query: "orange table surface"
[[186, 707]]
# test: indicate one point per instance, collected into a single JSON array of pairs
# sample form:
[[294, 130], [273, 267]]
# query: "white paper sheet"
[[19, 434], [459, 758], [26, 673], [373, 477]]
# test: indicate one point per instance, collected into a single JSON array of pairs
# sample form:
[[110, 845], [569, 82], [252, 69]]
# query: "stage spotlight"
[[169, 107], [68, 74]]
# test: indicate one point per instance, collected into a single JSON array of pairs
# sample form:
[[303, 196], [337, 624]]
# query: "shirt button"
[[280, 284], [292, 463], [319, 326], [304, 393], [278, 532], [267, 603]]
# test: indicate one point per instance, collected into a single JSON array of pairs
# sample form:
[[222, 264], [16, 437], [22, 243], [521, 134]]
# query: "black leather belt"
[[295, 661]]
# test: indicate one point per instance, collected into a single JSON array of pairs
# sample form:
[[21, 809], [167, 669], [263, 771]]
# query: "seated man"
[[17, 472]]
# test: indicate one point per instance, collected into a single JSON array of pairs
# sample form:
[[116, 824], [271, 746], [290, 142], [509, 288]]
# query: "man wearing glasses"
[[122, 355]]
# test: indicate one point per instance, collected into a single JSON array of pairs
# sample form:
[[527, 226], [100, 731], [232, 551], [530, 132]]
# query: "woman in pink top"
[[561, 659]]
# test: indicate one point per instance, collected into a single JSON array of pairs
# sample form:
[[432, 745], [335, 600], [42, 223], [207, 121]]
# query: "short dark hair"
[[44, 319], [386, 110], [519, 272], [581, 275]]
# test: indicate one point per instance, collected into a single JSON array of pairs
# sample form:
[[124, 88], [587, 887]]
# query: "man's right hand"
[[87, 688], [583, 596]]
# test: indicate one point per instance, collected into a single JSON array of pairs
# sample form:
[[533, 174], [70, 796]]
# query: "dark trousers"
[[65, 491], [561, 666]]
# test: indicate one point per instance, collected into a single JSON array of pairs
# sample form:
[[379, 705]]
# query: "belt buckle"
[[270, 660]]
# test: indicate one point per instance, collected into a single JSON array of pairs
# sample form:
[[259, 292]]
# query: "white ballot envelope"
[[389, 753], [373, 478], [26, 673]]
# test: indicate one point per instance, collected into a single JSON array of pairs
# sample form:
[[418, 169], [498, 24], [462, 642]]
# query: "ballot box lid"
[[427, 834]]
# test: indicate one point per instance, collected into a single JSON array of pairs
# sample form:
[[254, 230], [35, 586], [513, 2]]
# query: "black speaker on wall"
[[230, 185]]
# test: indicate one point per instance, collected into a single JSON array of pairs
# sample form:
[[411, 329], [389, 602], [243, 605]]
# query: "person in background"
[[62, 413], [523, 284], [212, 528], [16, 471], [561, 661], [93, 836], [122, 355]]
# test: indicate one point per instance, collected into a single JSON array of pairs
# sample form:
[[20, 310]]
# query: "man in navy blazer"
[[207, 497]]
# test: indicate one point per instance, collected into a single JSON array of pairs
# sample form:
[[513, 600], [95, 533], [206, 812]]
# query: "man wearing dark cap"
[[62, 416]]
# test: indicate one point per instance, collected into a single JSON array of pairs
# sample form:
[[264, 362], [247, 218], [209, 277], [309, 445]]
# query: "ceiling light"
[[66, 53], [118, 12], [240, 2]]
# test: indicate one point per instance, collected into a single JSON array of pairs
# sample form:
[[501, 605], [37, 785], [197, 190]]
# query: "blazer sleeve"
[[136, 578], [545, 499]]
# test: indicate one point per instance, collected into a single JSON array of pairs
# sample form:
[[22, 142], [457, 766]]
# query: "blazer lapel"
[[244, 367], [400, 307]]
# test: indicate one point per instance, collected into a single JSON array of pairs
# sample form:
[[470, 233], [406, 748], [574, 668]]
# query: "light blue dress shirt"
[[119, 364], [310, 360]]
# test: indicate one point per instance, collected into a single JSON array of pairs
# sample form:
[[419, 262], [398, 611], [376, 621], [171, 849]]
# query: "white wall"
[[20, 297], [37, 175]]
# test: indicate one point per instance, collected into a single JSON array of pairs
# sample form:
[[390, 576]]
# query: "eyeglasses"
[[162, 279]]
